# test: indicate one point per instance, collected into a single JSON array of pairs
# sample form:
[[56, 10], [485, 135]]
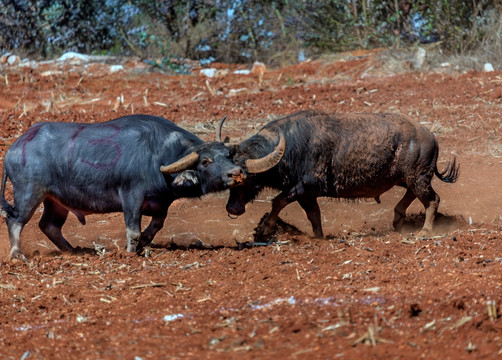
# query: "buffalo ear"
[[186, 179], [233, 149]]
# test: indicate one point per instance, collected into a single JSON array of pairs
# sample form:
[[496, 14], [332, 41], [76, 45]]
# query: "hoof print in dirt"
[[196, 244], [86, 251]]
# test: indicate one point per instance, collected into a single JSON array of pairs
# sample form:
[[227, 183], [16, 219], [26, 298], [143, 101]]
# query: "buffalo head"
[[256, 156], [208, 165]]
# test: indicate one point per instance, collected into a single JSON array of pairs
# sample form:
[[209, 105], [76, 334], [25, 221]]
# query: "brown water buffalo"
[[311, 154]]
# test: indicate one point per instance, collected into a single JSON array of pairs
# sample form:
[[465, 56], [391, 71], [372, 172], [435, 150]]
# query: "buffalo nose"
[[237, 175], [235, 208], [237, 171]]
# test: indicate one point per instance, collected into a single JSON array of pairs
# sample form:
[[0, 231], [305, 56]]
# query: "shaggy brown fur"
[[343, 156]]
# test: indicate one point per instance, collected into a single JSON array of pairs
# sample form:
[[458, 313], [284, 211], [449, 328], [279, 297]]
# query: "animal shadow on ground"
[[412, 224], [79, 251], [145, 252], [196, 245]]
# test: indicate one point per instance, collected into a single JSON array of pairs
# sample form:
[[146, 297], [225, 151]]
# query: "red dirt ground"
[[364, 292]]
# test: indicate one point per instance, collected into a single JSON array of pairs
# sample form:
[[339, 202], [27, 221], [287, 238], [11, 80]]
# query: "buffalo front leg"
[[153, 228], [133, 236], [400, 209], [267, 227], [131, 205], [311, 207]]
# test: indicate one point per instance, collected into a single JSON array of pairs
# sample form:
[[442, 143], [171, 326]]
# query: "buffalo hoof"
[[424, 233], [17, 255], [264, 235], [264, 230], [71, 250], [132, 248], [399, 225], [142, 251]]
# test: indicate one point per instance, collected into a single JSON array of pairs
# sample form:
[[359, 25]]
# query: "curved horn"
[[255, 166], [218, 129], [180, 165]]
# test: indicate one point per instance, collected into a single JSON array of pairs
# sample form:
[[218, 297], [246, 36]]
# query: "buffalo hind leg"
[[400, 209], [430, 200], [52, 221], [153, 228], [24, 205], [15, 229], [311, 207], [267, 227]]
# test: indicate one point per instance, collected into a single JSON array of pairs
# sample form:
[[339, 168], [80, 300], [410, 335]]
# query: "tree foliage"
[[240, 30]]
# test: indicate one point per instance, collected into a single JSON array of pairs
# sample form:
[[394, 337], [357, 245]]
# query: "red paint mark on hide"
[[26, 138], [106, 141], [71, 145], [113, 162]]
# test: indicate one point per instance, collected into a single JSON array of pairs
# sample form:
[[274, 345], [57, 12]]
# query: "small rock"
[[210, 72], [12, 59], [242, 72], [115, 68], [4, 57], [172, 317], [73, 56], [488, 67]]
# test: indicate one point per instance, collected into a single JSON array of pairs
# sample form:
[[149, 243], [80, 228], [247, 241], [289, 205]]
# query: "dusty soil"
[[364, 292]]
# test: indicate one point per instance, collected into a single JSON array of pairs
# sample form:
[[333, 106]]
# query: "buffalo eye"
[[205, 162]]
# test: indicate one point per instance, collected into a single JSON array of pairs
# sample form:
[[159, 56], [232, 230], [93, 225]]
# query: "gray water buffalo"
[[311, 154], [123, 165]]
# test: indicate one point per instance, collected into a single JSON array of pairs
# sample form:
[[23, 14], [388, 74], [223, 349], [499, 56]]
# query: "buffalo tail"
[[450, 173]]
